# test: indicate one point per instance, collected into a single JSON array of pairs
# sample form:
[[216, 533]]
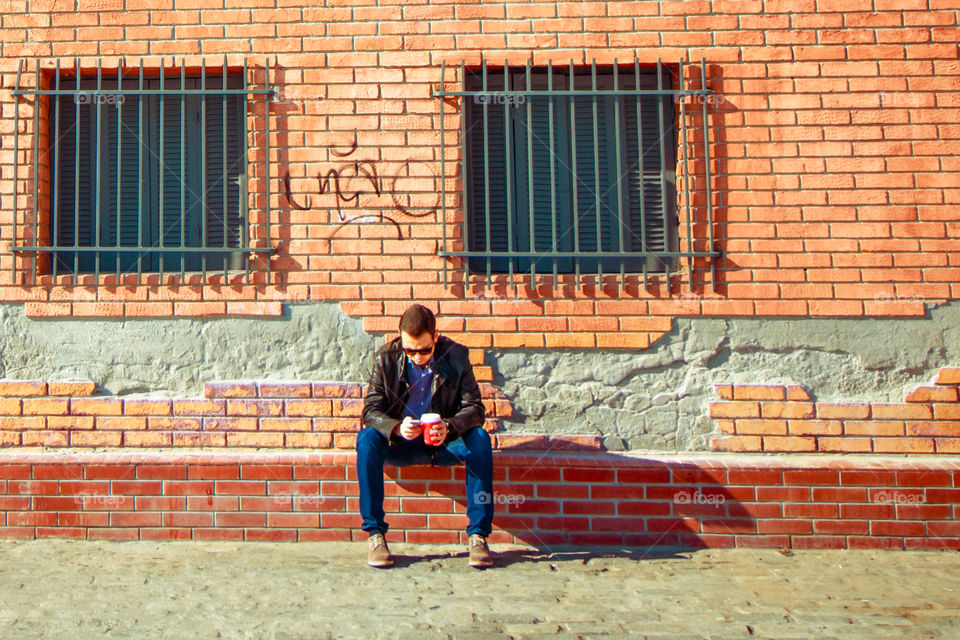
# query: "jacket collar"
[[441, 366]]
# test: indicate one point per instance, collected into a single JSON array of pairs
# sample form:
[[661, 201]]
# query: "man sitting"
[[416, 373]]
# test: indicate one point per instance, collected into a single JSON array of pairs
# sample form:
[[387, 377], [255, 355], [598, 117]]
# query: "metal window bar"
[[98, 247], [596, 166], [463, 196], [203, 166], [55, 195], [443, 163], [161, 170], [76, 173], [36, 155], [573, 174], [660, 95], [183, 172], [486, 168], [268, 161], [507, 156], [686, 169], [16, 176], [140, 174], [530, 178], [643, 200], [118, 220], [706, 160], [663, 165], [223, 173], [553, 173], [242, 196], [622, 239]]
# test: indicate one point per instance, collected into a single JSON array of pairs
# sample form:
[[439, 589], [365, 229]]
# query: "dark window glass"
[[147, 171], [569, 174]]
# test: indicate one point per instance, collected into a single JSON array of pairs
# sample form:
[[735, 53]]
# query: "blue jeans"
[[473, 449]]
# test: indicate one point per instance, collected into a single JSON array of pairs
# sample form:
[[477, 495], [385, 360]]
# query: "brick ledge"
[[608, 459]]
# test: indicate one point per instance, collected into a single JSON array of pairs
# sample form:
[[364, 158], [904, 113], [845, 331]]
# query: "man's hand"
[[410, 428], [438, 432]]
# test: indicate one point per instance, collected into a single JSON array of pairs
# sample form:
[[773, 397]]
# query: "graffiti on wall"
[[355, 177]]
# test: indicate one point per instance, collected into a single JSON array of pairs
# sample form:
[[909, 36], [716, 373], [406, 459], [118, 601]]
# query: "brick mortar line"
[[606, 460]]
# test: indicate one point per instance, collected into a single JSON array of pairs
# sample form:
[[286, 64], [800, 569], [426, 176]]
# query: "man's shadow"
[[551, 555]]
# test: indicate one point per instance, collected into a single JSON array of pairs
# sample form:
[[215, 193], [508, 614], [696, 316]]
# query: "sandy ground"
[[70, 589]]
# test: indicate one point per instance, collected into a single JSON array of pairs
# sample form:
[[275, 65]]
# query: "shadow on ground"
[[553, 555]]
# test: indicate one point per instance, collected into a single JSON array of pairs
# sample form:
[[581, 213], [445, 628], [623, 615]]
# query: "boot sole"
[[381, 565], [481, 564]]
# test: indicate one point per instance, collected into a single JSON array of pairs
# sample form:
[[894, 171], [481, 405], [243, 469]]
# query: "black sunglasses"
[[417, 352]]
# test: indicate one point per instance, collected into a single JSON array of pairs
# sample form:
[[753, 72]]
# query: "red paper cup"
[[430, 420]]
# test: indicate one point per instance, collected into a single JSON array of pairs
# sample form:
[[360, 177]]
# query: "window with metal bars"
[[146, 171], [569, 170]]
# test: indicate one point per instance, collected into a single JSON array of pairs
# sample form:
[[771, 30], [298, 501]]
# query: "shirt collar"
[[414, 367]]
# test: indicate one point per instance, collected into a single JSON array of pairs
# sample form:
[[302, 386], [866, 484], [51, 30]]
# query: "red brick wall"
[[241, 414], [541, 499], [325, 415], [785, 418], [835, 174]]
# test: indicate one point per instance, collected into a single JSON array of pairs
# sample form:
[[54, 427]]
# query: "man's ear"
[[436, 336]]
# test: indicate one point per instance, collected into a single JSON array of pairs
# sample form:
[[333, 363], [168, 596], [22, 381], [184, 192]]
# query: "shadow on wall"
[[549, 500], [552, 498]]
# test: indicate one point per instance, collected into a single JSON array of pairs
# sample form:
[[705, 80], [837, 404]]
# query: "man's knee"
[[369, 439], [478, 441]]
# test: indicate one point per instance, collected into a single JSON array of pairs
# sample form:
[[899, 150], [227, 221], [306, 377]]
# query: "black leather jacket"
[[456, 395]]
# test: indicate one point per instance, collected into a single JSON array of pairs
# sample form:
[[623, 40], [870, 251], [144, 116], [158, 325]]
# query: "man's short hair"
[[418, 320]]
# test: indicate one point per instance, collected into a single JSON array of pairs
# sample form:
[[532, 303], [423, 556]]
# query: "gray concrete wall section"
[[658, 398], [174, 357], [653, 399]]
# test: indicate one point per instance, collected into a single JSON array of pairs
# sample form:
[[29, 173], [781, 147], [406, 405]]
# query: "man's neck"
[[419, 368]]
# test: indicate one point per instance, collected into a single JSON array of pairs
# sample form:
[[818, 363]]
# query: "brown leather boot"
[[378, 555], [479, 552]]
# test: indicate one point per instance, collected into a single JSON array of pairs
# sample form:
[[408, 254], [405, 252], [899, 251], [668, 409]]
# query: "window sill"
[[153, 309]]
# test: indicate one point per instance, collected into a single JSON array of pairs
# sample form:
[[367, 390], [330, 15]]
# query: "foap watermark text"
[[698, 497], [99, 98], [891, 99], [499, 98], [500, 498], [898, 497], [698, 98], [109, 501]]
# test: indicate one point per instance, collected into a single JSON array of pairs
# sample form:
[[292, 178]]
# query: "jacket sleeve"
[[375, 403], [471, 413]]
